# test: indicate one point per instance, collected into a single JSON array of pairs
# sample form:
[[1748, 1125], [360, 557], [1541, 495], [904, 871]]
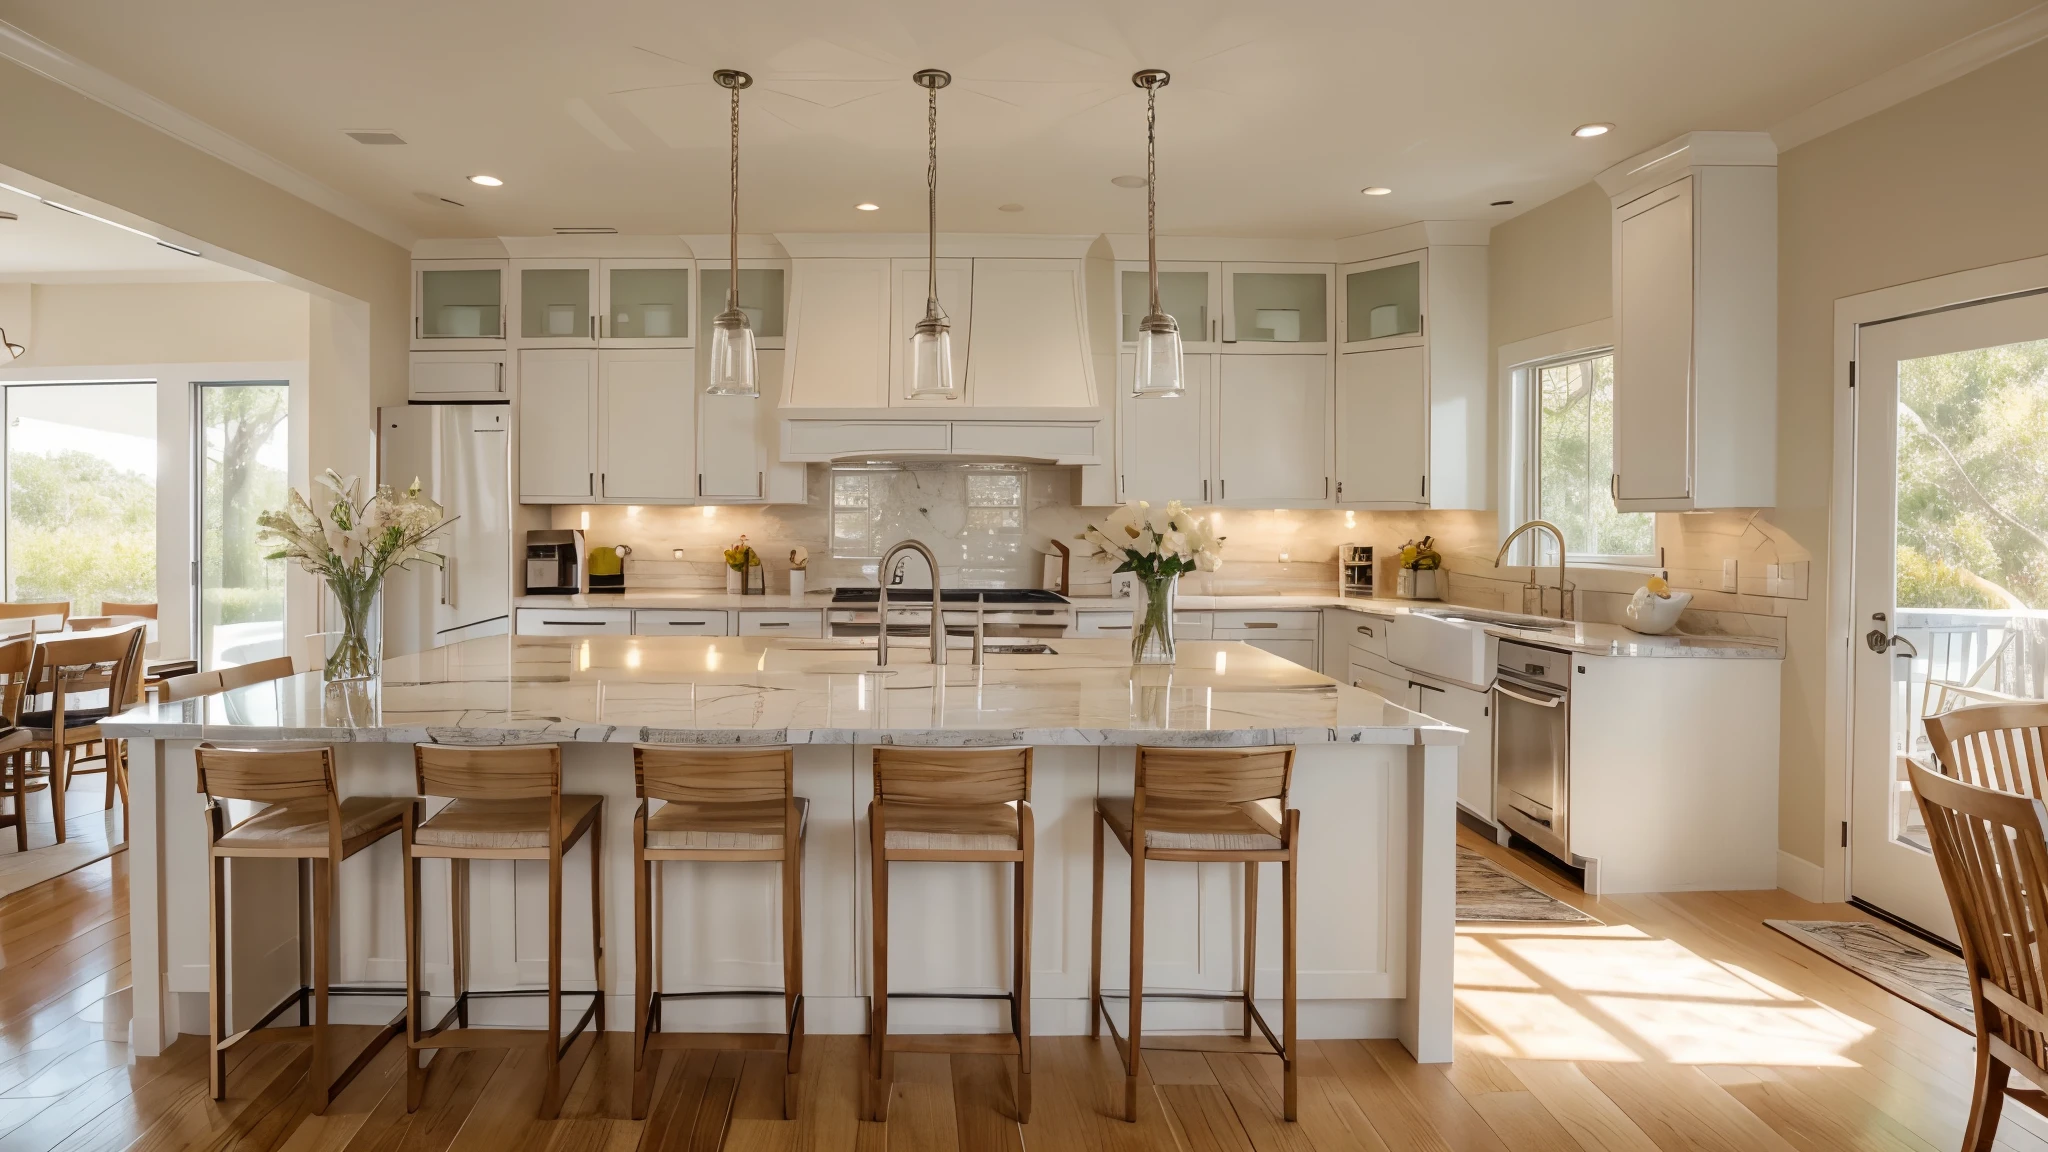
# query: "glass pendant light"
[[931, 342], [1159, 369], [733, 368]]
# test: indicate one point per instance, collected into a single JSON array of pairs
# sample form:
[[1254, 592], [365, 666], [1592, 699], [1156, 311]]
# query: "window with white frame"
[[1567, 425]]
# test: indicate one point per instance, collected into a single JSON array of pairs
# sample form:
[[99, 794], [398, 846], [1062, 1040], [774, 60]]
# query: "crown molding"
[[86, 80], [1915, 76]]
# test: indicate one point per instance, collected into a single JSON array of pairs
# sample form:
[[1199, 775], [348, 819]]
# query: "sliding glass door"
[[81, 493], [242, 441]]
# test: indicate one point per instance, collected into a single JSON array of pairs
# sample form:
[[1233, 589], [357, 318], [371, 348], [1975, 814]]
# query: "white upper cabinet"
[[478, 377], [1413, 391], [554, 303], [646, 403], [764, 298], [839, 335], [646, 304], [1031, 345], [1191, 293], [737, 459], [1163, 444], [557, 426], [1272, 430], [458, 304], [1696, 324], [956, 300], [1282, 308]]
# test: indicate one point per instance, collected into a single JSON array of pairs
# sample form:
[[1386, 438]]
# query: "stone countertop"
[[686, 690], [678, 599]]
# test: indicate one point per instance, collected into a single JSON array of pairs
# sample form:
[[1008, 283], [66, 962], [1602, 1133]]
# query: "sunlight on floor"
[[1617, 994]]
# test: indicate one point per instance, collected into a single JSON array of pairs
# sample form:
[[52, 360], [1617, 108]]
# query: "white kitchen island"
[[1375, 784]]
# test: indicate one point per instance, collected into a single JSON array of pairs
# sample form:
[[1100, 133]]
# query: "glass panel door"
[[1380, 303], [1268, 307], [81, 494], [1951, 600], [554, 304], [242, 443], [1183, 295], [761, 298], [460, 304], [647, 303]]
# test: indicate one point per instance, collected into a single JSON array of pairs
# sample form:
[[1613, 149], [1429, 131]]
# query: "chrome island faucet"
[[1564, 598], [882, 604]]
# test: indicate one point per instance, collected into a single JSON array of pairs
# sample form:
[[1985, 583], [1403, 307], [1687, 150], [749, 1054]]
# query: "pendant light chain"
[[732, 292], [1151, 184], [931, 184]]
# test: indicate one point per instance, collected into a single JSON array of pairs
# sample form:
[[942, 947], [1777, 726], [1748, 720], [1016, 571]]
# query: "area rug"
[[1894, 960], [1488, 892]]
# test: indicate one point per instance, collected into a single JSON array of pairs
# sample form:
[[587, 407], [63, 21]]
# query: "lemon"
[[1659, 587]]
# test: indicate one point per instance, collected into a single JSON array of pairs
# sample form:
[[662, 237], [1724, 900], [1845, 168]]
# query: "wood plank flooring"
[[1681, 1025]]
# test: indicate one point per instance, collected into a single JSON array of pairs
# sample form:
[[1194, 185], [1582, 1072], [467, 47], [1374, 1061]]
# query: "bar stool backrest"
[[500, 772], [145, 611], [16, 656], [1214, 775], [950, 776], [188, 686], [243, 675], [2001, 746], [700, 774], [265, 775]]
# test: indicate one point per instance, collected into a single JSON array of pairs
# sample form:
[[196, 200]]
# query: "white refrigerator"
[[462, 457]]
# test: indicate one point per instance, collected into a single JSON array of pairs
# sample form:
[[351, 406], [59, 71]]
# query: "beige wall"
[[206, 323], [1950, 180]]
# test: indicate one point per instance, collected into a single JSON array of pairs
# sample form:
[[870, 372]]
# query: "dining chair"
[[88, 623], [15, 783], [2002, 746], [70, 666], [145, 611], [1991, 847], [33, 613]]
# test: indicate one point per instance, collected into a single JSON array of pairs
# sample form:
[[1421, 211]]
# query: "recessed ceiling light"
[[1009, 207], [867, 207], [1501, 203], [1128, 181], [1588, 131], [1377, 190], [486, 181]]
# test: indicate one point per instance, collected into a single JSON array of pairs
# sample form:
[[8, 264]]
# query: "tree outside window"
[[1572, 404]]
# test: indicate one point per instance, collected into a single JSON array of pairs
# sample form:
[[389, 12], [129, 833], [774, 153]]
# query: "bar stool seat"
[[504, 825], [951, 827], [679, 826], [301, 824], [1197, 826]]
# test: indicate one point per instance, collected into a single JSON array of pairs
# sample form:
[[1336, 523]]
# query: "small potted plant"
[[1420, 577], [738, 560]]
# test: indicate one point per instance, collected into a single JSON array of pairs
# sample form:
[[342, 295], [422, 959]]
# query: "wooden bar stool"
[[305, 820], [951, 804], [504, 803], [1205, 805], [719, 804]]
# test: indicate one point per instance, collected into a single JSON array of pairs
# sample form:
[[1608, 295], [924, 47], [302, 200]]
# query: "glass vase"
[[355, 648], [1152, 621]]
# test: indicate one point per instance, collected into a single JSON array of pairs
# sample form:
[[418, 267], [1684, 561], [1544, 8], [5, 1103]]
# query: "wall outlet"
[[1728, 575]]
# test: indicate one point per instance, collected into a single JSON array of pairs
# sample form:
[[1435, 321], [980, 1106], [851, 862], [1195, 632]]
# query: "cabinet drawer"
[[1102, 623], [575, 622], [1265, 625], [668, 622], [1367, 632], [809, 624]]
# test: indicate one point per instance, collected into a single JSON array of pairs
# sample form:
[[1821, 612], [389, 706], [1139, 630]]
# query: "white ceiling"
[[604, 113], [48, 246]]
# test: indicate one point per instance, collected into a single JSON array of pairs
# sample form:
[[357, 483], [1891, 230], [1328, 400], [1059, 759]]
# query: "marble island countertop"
[[609, 689]]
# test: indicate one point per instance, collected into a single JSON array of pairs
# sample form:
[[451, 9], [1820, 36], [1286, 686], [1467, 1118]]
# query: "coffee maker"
[[554, 562]]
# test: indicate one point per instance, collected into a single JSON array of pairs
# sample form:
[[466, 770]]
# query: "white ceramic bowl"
[[1654, 615]]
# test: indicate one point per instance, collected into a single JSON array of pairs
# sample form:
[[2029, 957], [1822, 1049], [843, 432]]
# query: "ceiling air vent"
[[587, 230], [436, 199], [374, 136]]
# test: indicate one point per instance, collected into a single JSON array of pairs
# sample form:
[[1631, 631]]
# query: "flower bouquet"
[[1157, 547], [738, 559], [353, 548]]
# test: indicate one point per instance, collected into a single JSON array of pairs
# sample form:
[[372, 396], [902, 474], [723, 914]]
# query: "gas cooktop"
[[950, 596]]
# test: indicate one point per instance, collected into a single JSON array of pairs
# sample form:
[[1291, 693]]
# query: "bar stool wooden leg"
[[323, 912], [415, 1076], [551, 1089], [1100, 830], [879, 1064], [1134, 1066], [1020, 979], [1289, 957], [458, 935], [60, 781], [792, 966], [645, 1063], [217, 949], [1251, 940], [597, 957]]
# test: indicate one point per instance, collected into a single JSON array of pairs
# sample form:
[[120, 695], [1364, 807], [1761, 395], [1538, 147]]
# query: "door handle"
[[1538, 701], [1260, 624], [1882, 642], [1363, 630]]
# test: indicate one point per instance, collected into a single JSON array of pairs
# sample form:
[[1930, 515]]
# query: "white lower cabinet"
[[612, 426], [1287, 634], [669, 622], [573, 621], [1471, 710], [807, 623], [1383, 677], [1272, 430]]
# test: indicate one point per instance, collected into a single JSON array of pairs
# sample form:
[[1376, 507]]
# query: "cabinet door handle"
[[1260, 624], [602, 485], [593, 325], [1366, 630], [1424, 687], [590, 485], [1614, 486], [686, 623], [760, 485], [1425, 486], [415, 327], [1223, 489], [1326, 487], [771, 624]]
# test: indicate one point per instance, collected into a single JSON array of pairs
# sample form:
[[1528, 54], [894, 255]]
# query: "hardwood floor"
[[1681, 1025]]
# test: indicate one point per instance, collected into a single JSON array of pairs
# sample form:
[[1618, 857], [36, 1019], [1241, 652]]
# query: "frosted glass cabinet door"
[[1276, 307], [1190, 293], [646, 304], [763, 297], [1382, 303], [1272, 417], [459, 304], [556, 302]]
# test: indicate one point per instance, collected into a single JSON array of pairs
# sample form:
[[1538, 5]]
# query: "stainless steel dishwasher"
[[1532, 745]]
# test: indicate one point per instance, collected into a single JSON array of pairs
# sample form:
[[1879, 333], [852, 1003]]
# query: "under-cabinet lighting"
[[675, 553], [487, 181], [1222, 663], [633, 656], [711, 658], [1588, 131], [583, 656], [586, 520], [1351, 519], [710, 510]]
